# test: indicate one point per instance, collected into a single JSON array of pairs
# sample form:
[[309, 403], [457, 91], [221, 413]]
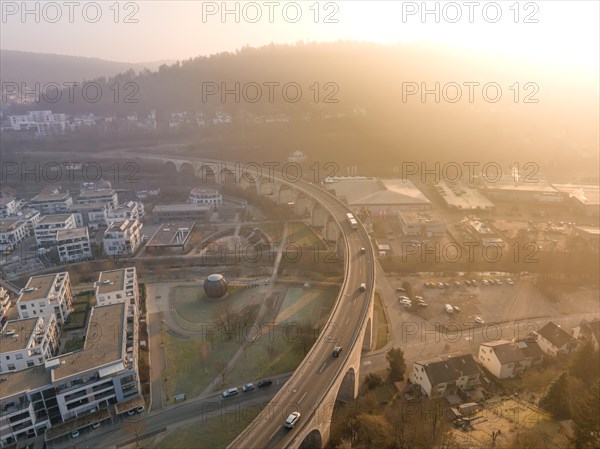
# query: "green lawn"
[[213, 432], [76, 320], [382, 328]]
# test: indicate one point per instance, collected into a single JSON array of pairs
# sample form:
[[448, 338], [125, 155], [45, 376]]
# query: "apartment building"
[[169, 213], [132, 210], [51, 203], [102, 196], [122, 238], [73, 245], [202, 195], [74, 390], [93, 215], [8, 206], [28, 342], [44, 295], [428, 223], [46, 229], [12, 231], [553, 340], [505, 358], [116, 286]]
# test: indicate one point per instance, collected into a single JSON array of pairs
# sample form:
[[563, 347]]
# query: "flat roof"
[[103, 342], [97, 193], [38, 287], [4, 200], [462, 197], [588, 195], [88, 206], [112, 280], [508, 184], [8, 224], [22, 333], [44, 197], [183, 207], [363, 191], [121, 226], [171, 234], [59, 218], [411, 216], [204, 191], [18, 382], [64, 234]]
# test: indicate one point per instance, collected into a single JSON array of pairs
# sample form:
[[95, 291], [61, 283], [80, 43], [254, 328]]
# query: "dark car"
[[264, 383]]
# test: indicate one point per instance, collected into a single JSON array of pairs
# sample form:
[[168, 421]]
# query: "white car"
[[479, 320], [230, 392], [485, 282], [404, 298], [267, 281], [75, 434], [95, 425], [292, 420], [509, 281]]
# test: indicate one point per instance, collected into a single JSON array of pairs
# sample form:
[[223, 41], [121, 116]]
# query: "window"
[[19, 356], [23, 306], [11, 366], [30, 363]]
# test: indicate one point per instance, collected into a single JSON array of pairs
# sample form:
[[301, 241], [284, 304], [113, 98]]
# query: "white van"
[[448, 308]]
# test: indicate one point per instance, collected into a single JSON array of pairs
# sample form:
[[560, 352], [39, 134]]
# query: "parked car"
[[75, 434], [498, 282], [400, 290], [230, 392], [468, 283], [248, 387], [422, 304], [509, 281], [95, 425], [479, 320], [405, 303], [456, 309], [264, 383], [140, 409], [456, 284], [419, 298], [403, 298], [292, 420], [131, 412], [474, 282], [448, 308], [485, 282]]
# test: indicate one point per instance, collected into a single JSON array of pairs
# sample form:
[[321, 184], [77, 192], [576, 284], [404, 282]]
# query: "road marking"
[[273, 434], [302, 397], [322, 368], [368, 362], [348, 319]]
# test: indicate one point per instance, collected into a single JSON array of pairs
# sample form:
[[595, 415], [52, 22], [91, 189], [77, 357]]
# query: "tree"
[[373, 381], [397, 365], [373, 431], [586, 417], [585, 364], [556, 399]]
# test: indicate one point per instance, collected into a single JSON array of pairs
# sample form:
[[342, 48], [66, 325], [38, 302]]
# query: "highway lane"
[[312, 380]]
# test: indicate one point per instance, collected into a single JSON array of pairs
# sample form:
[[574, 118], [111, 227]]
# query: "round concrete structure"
[[215, 286]]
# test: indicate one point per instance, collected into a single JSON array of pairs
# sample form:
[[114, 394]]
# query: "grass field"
[[213, 433], [382, 328]]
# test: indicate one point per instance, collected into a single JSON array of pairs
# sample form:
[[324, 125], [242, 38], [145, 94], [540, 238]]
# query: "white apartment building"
[[45, 230], [122, 238], [132, 210], [553, 340], [52, 203], [8, 206], [4, 304], [30, 217], [505, 358], [74, 390], [28, 342], [44, 295], [202, 196], [12, 231], [73, 245], [444, 375], [116, 286], [93, 215], [103, 196]]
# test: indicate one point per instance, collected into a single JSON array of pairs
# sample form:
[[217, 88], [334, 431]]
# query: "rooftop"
[[113, 280], [23, 329], [4, 200], [103, 342], [410, 216], [586, 194], [555, 335], [96, 193], [66, 234], [184, 207], [89, 206], [509, 352], [171, 234], [26, 379], [45, 197], [509, 184], [40, 287], [121, 226], [462, 197], [362, 191], [449, 368], [204, 191], [8, 224], [59, 218]]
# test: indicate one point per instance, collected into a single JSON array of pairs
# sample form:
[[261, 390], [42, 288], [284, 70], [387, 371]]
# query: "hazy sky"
[[563, 32]]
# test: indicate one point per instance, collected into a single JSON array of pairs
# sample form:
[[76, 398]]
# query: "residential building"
[[74, 390], [122, 238], [428, 224], [116, 286], [170, 213], [104, 196], [144, 191], [12, 231], [485, 234], [588, 331], [48, 294], [4, 305], [202, 196], [30, 217], [73, 245], [93, 215], [28, 342], [553, 339], [8, 206], [45, 230], [443, 376], [132, 210], [51, 203], [504, 358]]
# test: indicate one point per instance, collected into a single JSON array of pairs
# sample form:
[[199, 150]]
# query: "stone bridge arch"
[[332, 230], [313, 440], [318, 215]]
